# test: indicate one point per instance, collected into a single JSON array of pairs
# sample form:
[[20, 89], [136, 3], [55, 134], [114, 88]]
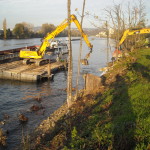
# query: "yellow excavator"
[[37, 56], [133, 32]]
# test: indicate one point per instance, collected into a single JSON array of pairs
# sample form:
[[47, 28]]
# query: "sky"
[[38, 12]]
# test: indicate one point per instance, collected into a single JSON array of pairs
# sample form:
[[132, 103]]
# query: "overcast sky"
[[38, 12]]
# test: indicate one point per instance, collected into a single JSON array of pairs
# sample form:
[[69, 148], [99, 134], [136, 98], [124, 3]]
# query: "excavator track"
[[37, 62], [26, 61], [40, 62]]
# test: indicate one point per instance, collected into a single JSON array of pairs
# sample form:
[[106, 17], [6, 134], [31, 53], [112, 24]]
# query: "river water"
[[18, 97]]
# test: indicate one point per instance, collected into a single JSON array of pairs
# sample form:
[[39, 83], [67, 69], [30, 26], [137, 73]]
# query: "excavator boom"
[[133, 32], [40, 53]]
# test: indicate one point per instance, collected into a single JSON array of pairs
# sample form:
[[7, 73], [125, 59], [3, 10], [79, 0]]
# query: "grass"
[[122, 119], [118, 118]]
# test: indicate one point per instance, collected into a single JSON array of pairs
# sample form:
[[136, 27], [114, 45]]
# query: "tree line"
[[26, 30]]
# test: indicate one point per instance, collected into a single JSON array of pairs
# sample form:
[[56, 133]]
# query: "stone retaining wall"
[[92, 83]]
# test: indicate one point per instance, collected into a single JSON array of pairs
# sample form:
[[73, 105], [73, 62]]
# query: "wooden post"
[[69, 81], [49, 69]]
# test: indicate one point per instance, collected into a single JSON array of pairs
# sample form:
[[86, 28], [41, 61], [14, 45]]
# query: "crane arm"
[[85, 37], [41, 51], [59, 29], [133, 32]]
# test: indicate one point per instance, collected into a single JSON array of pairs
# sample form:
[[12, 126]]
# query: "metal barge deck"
[[29, 73], [11, 67]]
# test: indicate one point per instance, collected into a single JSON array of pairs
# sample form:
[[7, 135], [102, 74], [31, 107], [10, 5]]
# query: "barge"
[[11, 66]]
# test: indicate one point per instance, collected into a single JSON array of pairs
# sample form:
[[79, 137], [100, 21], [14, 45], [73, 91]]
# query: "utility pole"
[[69, 78]]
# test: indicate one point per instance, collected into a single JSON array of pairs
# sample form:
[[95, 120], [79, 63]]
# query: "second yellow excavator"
[[37, 56], [133, 32]]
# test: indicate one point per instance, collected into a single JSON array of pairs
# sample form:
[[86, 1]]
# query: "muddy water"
[[18, 97]]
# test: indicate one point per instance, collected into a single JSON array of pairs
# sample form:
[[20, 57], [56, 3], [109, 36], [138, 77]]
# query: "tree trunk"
[[80, 52], [5, 28], [69, 81]]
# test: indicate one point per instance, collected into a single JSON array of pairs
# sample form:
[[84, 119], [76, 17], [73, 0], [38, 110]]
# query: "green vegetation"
[[122, 119], [25, 30], [116, 118]]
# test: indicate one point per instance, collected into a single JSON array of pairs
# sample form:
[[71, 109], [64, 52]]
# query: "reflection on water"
[[18, 97]]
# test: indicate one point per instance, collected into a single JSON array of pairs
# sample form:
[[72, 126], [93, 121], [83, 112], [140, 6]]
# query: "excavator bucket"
[[84, 62]]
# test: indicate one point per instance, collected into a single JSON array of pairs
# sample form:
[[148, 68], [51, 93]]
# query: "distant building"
[[103, 33], [111, 31]]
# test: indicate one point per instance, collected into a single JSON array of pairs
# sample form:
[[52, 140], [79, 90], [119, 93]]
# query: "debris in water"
[[36, 107], [22, 118], [3, 138]]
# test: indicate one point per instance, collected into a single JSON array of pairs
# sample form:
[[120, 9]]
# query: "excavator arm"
[[74, 19], [58, 30], [40, 53], [133, 32]]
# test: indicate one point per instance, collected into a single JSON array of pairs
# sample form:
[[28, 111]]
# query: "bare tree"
[[80, 50], [46, 28], [121, 20], [69, 81], [5, 28], [117, 20], [141, 14]]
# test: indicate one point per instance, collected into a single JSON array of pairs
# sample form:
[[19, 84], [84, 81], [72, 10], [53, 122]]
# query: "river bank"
[[117, 117], [18, 97]]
